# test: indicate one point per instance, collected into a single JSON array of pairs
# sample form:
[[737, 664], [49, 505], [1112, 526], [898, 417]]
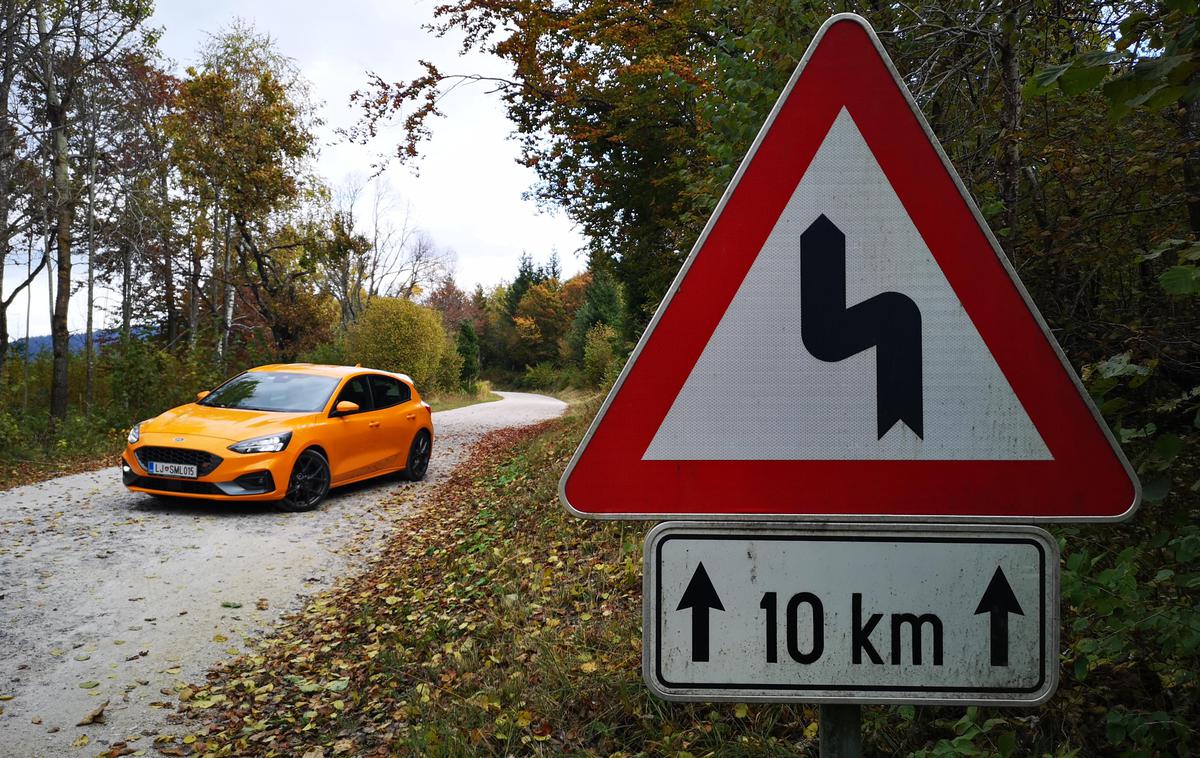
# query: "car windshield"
[[273, 391]]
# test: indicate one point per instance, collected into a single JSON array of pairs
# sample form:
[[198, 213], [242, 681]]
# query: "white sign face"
[[790, 404], [851, 614]]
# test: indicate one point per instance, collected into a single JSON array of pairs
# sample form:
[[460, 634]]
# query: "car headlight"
[[271, 443], [135, 433]]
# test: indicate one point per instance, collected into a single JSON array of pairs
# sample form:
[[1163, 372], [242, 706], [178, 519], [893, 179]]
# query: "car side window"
[[388, 391], [357, 391]]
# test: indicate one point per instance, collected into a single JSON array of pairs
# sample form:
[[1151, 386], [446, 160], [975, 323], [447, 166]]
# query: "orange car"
[[285, 433]]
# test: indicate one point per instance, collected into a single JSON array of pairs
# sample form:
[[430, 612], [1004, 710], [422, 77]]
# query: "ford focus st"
[[285, 433]]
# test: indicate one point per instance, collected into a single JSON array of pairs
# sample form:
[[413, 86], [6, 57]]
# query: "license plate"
[[172, 469]]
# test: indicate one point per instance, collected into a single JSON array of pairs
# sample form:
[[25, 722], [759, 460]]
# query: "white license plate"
[[172, 469]]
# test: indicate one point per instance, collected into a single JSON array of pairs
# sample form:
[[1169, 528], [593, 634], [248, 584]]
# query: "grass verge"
[[446, 401], [17, 472]]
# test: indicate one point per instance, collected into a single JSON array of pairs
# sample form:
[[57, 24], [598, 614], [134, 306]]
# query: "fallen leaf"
[[227, 604], [80, 741], [589, 667], [94, 716], [89, 684]]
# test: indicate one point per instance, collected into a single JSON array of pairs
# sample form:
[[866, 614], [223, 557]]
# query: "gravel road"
[[106, 595]]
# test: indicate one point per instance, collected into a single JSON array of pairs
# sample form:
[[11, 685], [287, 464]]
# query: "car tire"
[[308, 484], [418, 457]]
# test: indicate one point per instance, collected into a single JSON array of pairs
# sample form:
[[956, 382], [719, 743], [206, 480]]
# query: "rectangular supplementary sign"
[[851, 614]]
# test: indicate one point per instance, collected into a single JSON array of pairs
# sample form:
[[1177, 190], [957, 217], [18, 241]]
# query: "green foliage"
[[467, 346], [395, 334], [12, 438], [449, 370], [603, 304], [528, 274], [332, 352], [600, 357], [1151, 65], [541, 321], [546, 377]]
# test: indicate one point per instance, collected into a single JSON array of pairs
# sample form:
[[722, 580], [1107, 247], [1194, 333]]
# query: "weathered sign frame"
[[865, 533]]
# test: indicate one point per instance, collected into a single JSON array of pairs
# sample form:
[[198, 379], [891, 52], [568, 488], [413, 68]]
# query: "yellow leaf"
[[740, 710], [80, 741], [524, 719], [810, 731], [391, 600], [589, 667]]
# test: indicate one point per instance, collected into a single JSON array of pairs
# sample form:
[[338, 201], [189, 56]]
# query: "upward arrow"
[[701, 597], [998, 600]]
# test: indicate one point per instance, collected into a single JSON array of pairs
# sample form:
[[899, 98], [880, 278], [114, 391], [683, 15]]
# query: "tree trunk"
[[89, 337], [168, 258], [1191, 162], [63, 218], [194, 297], [1010, 122], [226, 297], [126, 291]]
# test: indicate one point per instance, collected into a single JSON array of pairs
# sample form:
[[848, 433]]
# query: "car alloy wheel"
[[418, 456], [309, 482]]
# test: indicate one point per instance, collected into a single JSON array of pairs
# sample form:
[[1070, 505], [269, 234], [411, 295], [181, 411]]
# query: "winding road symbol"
[[889, 322]]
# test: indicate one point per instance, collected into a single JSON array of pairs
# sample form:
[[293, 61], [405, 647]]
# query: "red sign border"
[[1001, 258]]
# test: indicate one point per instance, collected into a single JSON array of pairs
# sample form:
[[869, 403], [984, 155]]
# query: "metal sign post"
[[841, 731]]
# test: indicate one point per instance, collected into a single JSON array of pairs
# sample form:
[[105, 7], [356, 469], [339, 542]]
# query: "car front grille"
[[204, 462]]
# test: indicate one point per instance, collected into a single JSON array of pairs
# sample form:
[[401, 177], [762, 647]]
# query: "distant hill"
[[43, 344]]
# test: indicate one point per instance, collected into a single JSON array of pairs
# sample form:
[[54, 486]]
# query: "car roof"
[[326, 369]]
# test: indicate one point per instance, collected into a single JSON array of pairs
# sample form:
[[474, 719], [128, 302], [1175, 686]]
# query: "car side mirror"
[[345, 407], [201, 395]]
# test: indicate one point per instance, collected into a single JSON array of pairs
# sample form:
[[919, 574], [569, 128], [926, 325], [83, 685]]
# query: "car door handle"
[[411, 417], [373, 424]]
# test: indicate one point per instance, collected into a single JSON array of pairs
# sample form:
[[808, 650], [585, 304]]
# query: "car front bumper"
[[235, 476]]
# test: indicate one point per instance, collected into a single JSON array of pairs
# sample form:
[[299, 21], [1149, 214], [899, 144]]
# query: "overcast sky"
[[468, 193]]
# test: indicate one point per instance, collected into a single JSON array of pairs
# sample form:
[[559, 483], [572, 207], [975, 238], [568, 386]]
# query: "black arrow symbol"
[[889, 322], [998, 599], [701, 597]]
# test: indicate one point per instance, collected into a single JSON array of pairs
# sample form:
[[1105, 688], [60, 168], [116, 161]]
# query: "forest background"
[[1075, 126]]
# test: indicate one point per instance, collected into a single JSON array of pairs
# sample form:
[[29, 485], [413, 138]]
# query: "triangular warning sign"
[[847, 340]]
